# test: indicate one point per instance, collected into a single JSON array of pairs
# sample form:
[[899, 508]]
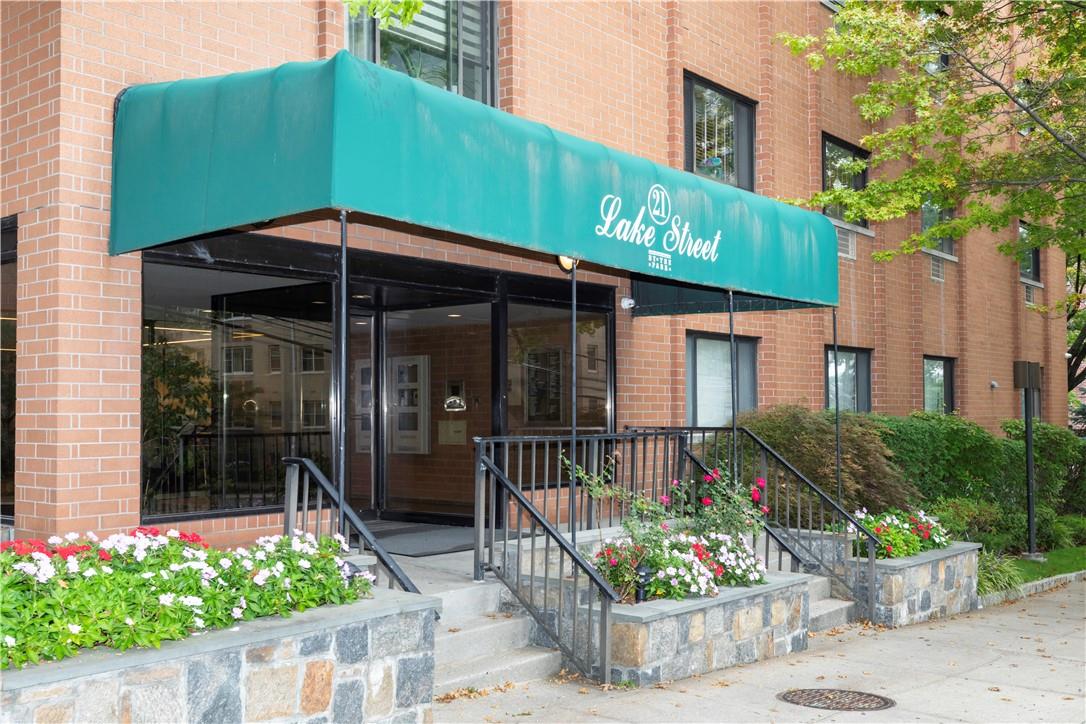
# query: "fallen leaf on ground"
[[582, 690], [454, 629]]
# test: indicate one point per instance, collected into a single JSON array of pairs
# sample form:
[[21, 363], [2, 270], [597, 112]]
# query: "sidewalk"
[[1021, 662]]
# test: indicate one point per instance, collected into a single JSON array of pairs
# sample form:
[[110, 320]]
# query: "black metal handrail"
[[795, 558], [307, 471], [547, 587], [828, 543]]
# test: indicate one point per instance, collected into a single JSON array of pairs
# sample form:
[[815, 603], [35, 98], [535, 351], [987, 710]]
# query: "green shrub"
[[1057, 456], [1050, 533], [805, 438], [943, 455], [996, 572], [968, 518], [1075, 525]]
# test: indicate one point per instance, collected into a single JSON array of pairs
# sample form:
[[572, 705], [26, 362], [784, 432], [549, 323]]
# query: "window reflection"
[[539, 369], [7, 372], [234, 378]]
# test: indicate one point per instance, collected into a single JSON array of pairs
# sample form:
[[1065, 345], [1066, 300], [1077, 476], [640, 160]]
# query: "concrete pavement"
[[1017, 662]]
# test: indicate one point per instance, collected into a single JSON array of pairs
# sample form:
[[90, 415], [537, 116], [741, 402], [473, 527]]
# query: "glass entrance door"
[[360, 406], [437, 396]]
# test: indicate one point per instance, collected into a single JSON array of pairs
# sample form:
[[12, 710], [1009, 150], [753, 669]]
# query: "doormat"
[[428, 540]]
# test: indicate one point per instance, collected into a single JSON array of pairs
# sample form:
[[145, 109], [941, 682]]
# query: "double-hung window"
[[709, 378], [932, 214], [719, 133], [939, 384], [853, 381], [1029, 264], [837, 173], [448, 44]]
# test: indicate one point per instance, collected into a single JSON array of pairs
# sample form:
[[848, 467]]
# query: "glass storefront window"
[[224, 399], [538, 370], [448, 45], [7, 371]]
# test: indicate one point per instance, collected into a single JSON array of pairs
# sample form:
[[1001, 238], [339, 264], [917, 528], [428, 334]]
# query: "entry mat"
[[417, 540]]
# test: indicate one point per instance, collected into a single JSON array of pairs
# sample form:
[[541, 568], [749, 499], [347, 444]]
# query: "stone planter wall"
[[933, 584], [372, 660], [667, 640]]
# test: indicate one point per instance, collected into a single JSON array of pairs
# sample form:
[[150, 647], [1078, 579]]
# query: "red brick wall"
[[611, 72]]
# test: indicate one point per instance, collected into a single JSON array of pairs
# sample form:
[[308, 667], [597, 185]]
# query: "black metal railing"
[[330, 515], [554, 582], [803, 519], [210, 471]]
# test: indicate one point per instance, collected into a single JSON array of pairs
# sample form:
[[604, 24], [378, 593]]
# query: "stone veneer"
[[372, 660], [933, 584], [664, 640]]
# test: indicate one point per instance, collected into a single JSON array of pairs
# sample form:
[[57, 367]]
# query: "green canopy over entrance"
[[202, 155]]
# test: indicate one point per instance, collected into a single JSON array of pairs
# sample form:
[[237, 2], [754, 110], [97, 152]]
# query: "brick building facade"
[[616, 73]]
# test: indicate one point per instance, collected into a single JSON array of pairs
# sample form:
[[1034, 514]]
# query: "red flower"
[[104, 555], [889, 548], [765, 510], [145, 530], [927, 534], [613, 562], [755, 495], [708, 478], [190, 537], [716, 472], [760, 482], [706, 501], [66, 552]]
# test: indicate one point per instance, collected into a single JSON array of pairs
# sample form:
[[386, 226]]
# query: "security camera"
[[628, 303], [994, 385]]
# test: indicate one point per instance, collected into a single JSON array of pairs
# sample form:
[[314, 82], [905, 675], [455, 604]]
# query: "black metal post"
[[342, 372], [836, 411], [573, 405], [1028, 393], [734, 357]]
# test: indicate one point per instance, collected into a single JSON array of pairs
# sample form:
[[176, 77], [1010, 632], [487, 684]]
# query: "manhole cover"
[[836, 699]]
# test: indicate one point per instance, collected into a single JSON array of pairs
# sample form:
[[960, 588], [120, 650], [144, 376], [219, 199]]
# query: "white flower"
[[236, 612], [73, 537], [72, 564], [166, 599], [74, 628], [261, 555], [305, 564], [225, 563], [91, 535], [55, 540], [198, 621], [89, 572], [128, 620], [107, 569], [261, 576], [9, 641], [246, 564], [147, 574], [173, 533], [192, 601]]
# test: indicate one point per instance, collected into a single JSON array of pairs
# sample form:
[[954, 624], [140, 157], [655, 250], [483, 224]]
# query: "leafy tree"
[[385, 11], [978, 108]]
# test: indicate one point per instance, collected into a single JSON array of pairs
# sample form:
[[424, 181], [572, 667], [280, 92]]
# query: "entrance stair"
[[481, 641]]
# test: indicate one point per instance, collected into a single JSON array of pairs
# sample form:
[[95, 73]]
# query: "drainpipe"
[[836, 411], [341, 372], [733, 354]]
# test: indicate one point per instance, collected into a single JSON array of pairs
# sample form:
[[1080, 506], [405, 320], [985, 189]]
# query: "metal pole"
[[1030, 510], [836, 411], [733, 354], [573, 406], [341, 372]]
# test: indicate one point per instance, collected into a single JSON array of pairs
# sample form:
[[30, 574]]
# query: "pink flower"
[[716, 472], [760, 482], [755, 495], [765, 510], [706, 501], [674, 483], [613, 561], [665, 526], [708, 478], [665, 500]]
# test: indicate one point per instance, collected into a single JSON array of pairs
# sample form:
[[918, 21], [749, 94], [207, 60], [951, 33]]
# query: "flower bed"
[[139, 589], [687, 542], [902, 534]]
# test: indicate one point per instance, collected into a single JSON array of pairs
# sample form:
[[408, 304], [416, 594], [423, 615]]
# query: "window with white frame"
[[314, 413], [313, 360], [839, 159], [846, 242], [237, 360]]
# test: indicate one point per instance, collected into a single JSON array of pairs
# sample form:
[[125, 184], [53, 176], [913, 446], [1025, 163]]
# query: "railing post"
[[605, 644], [870, 581], [480, 509], [290, 508], [680, 465]]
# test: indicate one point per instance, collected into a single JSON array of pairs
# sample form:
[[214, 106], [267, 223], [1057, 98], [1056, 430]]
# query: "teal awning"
[[196, 156]]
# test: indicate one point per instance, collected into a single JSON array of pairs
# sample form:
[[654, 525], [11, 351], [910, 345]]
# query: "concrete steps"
[[826, 612], [481, 640]]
